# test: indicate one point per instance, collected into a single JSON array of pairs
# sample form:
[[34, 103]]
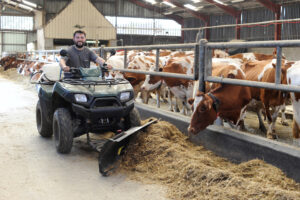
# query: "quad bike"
[[84, 102]]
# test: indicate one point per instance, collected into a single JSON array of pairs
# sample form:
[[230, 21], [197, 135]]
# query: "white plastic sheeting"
[[17, 23], [145, 26]]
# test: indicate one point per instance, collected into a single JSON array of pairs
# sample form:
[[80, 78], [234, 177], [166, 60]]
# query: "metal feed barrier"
[[232, 144]]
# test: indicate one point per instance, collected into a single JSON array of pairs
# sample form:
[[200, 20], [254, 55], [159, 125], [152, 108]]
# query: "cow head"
[[152, 82], [275, 54], [204, 113], [284, 67]]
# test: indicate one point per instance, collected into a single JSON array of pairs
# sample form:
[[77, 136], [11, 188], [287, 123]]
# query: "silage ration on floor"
[[163, 155]]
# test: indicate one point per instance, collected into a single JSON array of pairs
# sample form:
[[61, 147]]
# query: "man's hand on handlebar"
[[109, 67], [66, 68]]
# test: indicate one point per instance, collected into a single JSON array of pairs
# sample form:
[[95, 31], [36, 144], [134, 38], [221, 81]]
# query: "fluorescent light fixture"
[[236, 1], [91, 42], [220, 2], [169, 4], [168, 13], [196, 1], [10, 2], [25, 7], [190, 7], [29, 3], [151, 1], [200, 7]]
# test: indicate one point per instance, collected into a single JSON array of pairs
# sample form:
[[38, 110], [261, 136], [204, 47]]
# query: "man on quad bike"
[[79, 55]]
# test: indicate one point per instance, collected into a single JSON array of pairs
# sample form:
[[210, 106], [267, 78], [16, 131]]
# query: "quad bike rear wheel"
[[43, 126]]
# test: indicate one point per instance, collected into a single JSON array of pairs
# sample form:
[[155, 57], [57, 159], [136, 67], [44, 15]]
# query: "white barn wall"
[[291, 53], [84, 14]]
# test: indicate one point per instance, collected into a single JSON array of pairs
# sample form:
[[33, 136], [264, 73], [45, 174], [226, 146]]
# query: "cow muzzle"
[[191, 130]]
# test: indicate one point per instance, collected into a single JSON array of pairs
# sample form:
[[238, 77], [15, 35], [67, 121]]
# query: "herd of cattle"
[[224, 101]]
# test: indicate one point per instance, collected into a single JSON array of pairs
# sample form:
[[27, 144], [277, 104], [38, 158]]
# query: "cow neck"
[[217, 96], [216, 102]]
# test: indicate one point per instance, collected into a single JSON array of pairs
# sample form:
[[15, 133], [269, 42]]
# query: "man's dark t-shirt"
[[79, 58]]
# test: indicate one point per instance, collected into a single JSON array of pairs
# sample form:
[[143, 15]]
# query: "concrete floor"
[[32, 169]]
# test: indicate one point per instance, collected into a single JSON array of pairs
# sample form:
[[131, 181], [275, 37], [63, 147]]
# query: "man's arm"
[[98, 59], [63, 65]]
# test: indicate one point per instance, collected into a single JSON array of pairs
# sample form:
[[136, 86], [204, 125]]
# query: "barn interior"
[[164, 161]]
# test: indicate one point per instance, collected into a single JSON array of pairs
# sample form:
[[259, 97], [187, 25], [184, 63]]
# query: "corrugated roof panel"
[[129, 9], [257, 32], [190, 36], [290, 30], [106, 8], [56, 6], [222, 34]]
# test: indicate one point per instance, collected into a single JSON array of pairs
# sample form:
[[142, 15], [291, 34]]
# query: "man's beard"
[[79, 46]]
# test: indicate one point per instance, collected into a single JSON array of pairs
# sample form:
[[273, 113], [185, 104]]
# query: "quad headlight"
[[125, 96], [80, 98]]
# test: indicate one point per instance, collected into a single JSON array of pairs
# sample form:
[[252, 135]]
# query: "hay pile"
[[13, 75], [163, 155]]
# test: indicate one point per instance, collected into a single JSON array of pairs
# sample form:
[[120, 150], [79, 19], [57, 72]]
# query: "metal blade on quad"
[[113, 149]]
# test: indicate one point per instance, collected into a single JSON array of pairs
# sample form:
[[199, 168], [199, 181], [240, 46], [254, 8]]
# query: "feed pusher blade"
[[113, 149]]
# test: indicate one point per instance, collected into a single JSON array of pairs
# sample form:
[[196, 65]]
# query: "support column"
[[276, 9], [238, 28], [277, 26], [207, 31]]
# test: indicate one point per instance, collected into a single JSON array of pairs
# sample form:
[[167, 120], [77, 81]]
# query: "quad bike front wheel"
[[62, 129], [133, 119]]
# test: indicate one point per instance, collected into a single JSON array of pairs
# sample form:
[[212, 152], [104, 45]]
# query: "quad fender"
[[59, 102]]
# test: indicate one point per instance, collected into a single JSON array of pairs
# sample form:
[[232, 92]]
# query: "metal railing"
[[206, 69], [202, 62], [194, 46]]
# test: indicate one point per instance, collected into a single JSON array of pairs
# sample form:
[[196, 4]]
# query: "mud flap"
[[113, 149]]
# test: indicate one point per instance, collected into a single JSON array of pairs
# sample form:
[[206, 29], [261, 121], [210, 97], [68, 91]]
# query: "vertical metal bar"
[[208, 62], [125, 58], [202, 64], [278, 66], [105, 55], [102, 51], [238, 28], [157, 69], [196, 62], [157, 60]]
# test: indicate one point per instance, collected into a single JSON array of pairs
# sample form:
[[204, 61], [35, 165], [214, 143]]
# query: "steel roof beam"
[[198, 15], [20, 2], [15, 7], [233, 12], [205, 18], [178, 19], [270, 5]]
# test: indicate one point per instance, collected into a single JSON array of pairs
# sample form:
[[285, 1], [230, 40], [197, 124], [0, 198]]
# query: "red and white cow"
[[178, 62], [264, 71], [225, 101], [218, 53], [293, 78]]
